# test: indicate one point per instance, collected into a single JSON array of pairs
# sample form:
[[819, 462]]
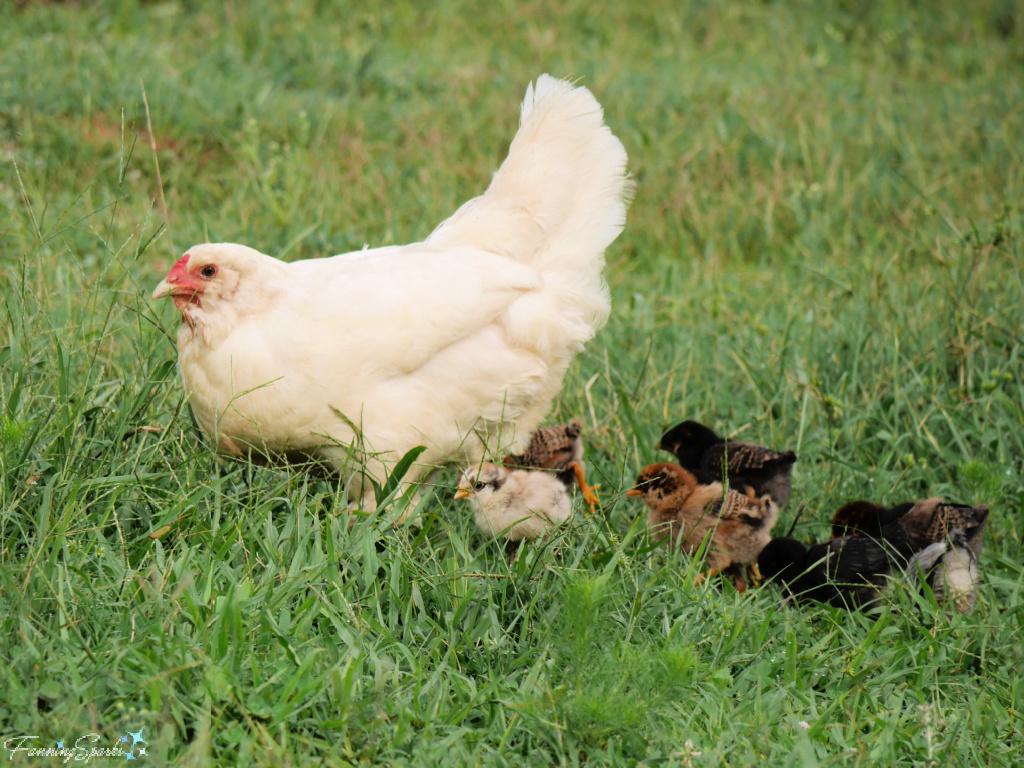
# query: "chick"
[[958, 528], [847, 572], [934, 520], [865, 518], [708, 456], [513, 503], [954, 576], [559, 448], [924, 522], [932, 537], [684, 511]]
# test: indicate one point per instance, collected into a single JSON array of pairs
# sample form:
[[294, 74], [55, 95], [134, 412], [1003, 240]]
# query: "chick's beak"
[[634, 492], [461, 493]]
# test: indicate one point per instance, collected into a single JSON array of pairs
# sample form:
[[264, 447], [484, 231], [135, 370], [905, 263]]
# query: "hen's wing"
[[396, 308]]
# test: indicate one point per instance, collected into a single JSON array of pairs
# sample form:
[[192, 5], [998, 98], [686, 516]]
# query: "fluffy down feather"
[[682, 512], [514, 503], [458, 343]]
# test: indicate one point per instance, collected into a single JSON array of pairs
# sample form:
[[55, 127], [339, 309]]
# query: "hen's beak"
[[462, 493], [634, 492], [164, 289], [179, 283]]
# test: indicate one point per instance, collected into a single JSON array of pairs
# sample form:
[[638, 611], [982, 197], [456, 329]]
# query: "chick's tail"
[[556, 203]]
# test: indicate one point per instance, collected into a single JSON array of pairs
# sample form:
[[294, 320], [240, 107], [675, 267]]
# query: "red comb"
[[179, 270]]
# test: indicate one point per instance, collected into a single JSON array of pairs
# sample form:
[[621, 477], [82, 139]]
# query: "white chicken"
[[458, 343]]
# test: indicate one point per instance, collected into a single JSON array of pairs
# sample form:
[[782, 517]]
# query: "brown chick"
[[558, 448], [932, 520], [684, 511], [708, 456]]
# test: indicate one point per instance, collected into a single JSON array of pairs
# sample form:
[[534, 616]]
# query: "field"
[[825, 253]]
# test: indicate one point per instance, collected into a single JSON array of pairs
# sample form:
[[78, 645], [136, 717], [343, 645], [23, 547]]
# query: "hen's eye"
[[208, 271], [478, 486]]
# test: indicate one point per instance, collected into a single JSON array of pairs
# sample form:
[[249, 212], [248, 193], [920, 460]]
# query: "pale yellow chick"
[[514, 503]]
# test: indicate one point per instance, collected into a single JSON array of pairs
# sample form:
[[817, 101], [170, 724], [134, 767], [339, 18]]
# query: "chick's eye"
[[478, 486], [208, 271]]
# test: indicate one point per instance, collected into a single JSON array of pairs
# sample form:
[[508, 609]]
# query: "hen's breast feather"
[[412, 378]]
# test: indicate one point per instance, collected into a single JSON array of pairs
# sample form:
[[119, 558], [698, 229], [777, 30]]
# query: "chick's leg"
[[701, 577], [753, 574], [718, 562], [511, 550], [588, 491], [737, 579]]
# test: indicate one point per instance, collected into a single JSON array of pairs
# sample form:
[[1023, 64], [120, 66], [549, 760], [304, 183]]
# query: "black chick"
[[933, 537], [848, 572], [924, 522], [865, 518], [708, 456]]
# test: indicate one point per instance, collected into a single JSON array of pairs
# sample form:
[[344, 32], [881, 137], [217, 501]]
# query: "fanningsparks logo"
[[130, 746]]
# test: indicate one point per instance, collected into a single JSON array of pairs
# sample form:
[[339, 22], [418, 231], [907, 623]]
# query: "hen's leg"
[[363, 497]]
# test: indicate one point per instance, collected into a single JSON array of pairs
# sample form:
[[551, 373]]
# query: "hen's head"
[[211, 275]]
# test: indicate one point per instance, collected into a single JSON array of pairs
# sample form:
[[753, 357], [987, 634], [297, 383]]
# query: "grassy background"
[[824, 254]]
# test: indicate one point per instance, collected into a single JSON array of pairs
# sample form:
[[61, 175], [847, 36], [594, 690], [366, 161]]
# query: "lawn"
[[825, 253]]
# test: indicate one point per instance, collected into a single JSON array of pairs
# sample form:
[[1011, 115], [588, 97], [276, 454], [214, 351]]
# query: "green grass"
[[824, 253]]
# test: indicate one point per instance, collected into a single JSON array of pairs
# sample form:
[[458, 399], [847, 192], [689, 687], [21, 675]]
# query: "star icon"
[[142, 750], [129, 756], [60, 745], [137, 737], [124, 739]]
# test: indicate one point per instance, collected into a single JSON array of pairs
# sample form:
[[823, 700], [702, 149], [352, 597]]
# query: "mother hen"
[[458, 343]]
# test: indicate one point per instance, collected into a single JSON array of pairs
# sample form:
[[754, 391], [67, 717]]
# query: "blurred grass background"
[[824, 253]]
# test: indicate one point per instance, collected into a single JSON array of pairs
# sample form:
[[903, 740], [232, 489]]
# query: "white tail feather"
[[556, 203]]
